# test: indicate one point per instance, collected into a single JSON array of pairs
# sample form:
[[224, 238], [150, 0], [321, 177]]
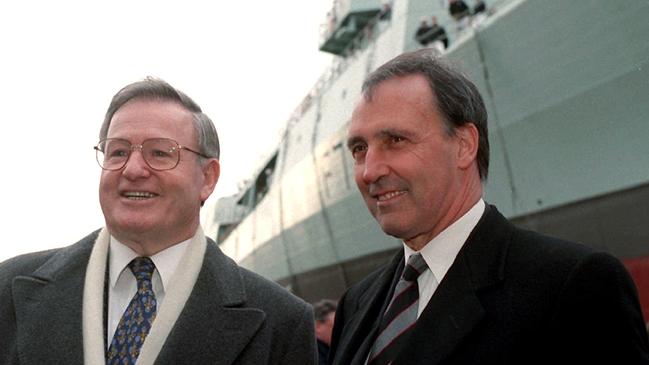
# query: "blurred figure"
[[422, 32], [386, 11], [458, 9], [479, 7], [438, 35], [479, 13], [325, 313], [433, 35]]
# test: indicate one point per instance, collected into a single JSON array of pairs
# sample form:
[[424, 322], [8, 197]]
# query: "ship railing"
[[456, 30]]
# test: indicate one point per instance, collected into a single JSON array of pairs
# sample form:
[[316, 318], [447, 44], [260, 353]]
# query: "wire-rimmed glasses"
[[159, 153]]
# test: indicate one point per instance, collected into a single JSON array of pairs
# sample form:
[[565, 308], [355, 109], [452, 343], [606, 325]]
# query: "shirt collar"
[[441, 251], [165, 261]]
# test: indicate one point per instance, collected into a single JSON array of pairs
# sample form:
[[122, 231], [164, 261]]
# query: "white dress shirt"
[[122, 284], [441, 251]]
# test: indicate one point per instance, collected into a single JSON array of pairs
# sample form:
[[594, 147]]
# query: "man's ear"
[[211, 172], [468, 138]]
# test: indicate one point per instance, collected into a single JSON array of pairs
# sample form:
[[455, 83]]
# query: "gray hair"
[[157, 89], [457, 99]]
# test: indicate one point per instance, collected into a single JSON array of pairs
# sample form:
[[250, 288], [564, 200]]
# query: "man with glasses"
[[149, 287]]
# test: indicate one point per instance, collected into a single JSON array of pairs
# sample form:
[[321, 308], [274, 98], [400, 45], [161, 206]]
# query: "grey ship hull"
[[566, 84]]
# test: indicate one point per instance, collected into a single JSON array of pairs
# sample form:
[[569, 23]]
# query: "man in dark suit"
[[149, 287], [468, 287]]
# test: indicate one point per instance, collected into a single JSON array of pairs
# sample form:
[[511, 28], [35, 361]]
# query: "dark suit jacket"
[[232, 316], [510, 297], [323, 353]]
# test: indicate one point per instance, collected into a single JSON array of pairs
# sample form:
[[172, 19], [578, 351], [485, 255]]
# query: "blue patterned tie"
[[136, 321], [401, 315]]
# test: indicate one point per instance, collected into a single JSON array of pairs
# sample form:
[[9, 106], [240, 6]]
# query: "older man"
[[149, 287], [467, 287]]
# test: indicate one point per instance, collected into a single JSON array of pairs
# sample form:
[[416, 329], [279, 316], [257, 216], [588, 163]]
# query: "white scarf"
[[177, 293]]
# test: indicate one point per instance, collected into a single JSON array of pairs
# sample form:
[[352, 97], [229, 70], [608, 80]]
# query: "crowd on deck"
[[432, 34]]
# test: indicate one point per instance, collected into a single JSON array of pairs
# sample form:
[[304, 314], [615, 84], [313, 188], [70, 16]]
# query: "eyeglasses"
[[159, 153]]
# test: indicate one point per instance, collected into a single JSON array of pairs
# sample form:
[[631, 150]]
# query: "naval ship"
[[566, 84]]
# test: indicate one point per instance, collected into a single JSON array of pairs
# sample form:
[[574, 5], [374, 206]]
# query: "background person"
[[432, 35], [421, 35], [324, 312]]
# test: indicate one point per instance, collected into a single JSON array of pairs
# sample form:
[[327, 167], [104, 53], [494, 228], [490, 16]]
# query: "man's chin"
[[393, 229], [129, 227]]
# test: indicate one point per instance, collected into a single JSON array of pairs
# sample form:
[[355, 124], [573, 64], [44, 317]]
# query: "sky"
[[247, 63]]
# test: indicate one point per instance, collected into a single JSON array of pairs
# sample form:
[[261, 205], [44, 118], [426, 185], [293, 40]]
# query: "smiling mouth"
[[138, 195], [389, 195]]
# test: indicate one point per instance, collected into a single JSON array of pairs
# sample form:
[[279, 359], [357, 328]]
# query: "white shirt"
[[441, 251], [122, 284]]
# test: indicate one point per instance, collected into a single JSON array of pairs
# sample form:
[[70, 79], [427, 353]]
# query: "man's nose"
[[375, 166], [136, 167]]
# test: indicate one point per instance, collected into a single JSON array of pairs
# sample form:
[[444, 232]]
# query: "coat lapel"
[[214, 317], [48, 307], [456, 309], [359, 333], [452, 313]]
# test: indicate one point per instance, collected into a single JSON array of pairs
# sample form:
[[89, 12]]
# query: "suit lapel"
[[48, 307], [455, 309], [360, 331], [214, 317]]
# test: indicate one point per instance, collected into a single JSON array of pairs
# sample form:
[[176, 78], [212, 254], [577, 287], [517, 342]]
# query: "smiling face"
[[415, 177], [146, 209]]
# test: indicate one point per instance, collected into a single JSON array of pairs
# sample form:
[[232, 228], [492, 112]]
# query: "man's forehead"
[[364, 120], [152, 105], [151, 110], [379, 113], [151, 114]]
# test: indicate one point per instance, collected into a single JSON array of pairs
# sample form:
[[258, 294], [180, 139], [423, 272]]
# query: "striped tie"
[[138, 317], [401, 315]]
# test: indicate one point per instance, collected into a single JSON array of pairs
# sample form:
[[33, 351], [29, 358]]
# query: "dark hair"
[[322, 309], [157, 89], [457, 99]]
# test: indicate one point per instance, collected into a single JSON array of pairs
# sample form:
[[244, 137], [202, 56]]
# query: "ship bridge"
[[346, 20]]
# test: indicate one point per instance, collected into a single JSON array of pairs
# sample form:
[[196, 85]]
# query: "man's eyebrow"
[[381, 134], [390, 132], [351, 141]]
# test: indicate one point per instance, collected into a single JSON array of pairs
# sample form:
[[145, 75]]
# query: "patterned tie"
[[136, 322], [401, 315]]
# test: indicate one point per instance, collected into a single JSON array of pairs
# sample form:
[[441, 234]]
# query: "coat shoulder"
[[258, 291], [534, 252], [521, 251], [265, 293], [24, 264], [39, 266], [30, 263], [288, 320]]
